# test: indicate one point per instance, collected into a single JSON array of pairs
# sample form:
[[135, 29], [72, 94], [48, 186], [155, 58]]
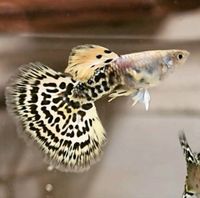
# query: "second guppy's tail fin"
[[189, 156], [68, 131]]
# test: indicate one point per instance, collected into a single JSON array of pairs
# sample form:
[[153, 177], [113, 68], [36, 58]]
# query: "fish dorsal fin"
[[85, 59]]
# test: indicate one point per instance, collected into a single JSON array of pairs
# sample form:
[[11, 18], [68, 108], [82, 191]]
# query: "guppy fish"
[[192, 182], [57, 109]]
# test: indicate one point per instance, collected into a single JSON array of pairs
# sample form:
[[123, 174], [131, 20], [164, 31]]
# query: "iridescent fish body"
[[192, 182], [57, 110]]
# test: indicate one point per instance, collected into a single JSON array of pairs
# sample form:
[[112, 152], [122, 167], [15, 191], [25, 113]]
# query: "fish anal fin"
[[120, 91]]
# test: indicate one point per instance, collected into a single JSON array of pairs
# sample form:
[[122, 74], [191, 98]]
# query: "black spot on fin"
[[85, 59]]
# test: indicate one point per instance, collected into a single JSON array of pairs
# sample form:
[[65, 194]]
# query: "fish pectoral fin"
[[136, 97], [142, 96], [146, 100]]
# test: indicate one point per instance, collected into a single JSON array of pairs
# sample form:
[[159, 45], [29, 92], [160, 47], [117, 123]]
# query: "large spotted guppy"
[[57, 110]]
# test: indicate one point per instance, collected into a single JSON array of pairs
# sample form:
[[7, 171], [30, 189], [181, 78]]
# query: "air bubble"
[[50, 168], [49, 187]]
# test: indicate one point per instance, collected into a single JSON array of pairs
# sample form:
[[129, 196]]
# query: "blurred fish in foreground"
[[192, 182], [57, 109]]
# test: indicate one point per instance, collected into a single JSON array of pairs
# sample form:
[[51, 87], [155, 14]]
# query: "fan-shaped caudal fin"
[[189, 156], [85, 59], [68, 132]]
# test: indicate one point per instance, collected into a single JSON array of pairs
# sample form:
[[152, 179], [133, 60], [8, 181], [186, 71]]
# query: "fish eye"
[[180, 56]]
